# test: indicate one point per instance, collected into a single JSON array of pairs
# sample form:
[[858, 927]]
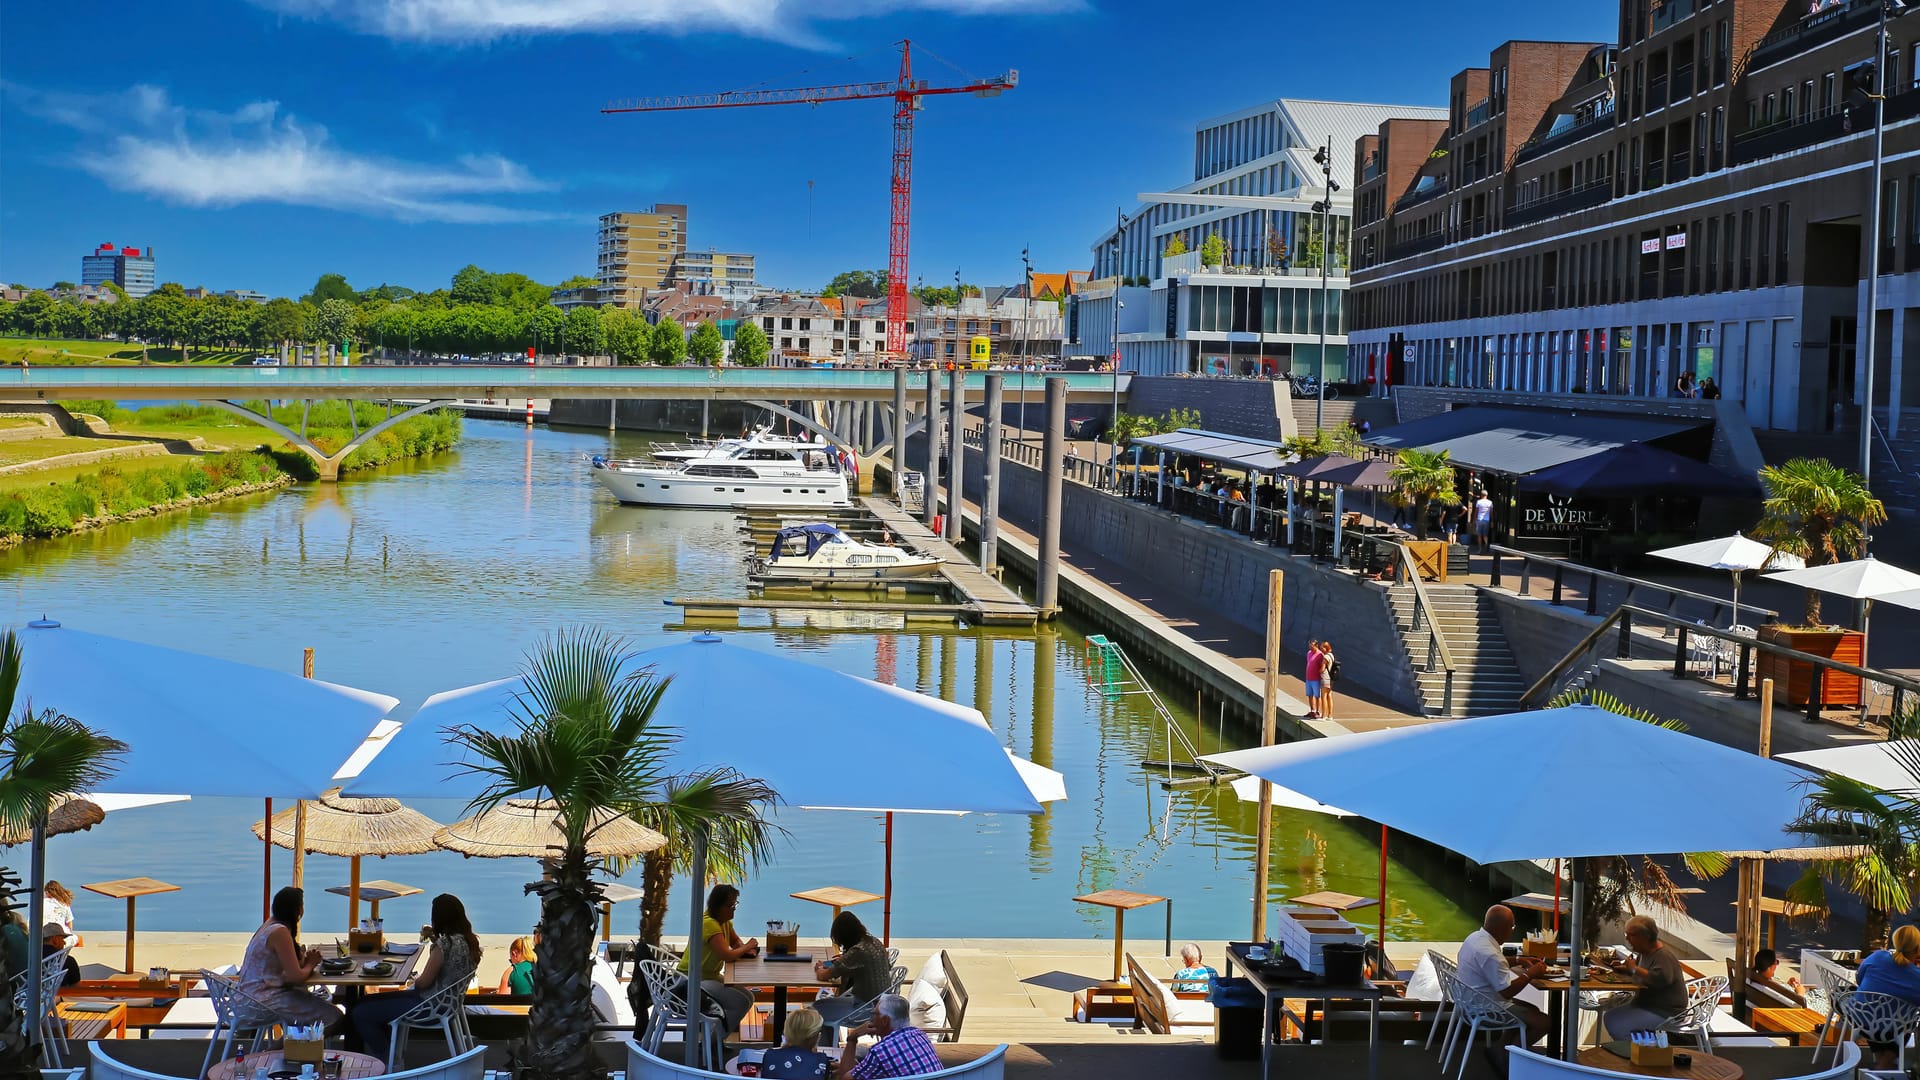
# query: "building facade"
[[726, 274], [811, 329], [637, 251], [130, 268], [1691, 199], [1016, 329]]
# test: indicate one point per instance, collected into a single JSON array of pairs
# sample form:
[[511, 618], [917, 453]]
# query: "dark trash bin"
[[1237, 1006], [1344, 963]]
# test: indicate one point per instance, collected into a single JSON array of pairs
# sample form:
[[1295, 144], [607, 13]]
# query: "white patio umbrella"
[[1733, 553], [1494, 788], [778, 720], [1247, 789], [193, 724], [1866, 579], [1878, 764]]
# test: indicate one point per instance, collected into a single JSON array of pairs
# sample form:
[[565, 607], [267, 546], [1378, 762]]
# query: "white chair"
[[53, 1032], [864, 1011], [1876, 699], [1880, 1018], [101, 1066], [441, 1010], [1524, 1064], [645, 1065], [669, 1012], [471, 1065], [1827, 1000], [237, 1015], [1703, 1000], [1483, 1014], [1444, 969]]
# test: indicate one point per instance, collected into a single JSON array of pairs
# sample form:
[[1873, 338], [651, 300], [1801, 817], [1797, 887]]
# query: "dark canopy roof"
[[1256, 455], [1637, 469], [1316, 468], [1375, 474], [1520, 441]]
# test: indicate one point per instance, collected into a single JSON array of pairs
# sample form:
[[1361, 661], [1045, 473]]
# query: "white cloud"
[[141, 141], [474, 21]]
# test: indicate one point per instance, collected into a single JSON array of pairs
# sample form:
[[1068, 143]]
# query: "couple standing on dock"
[[1322, 669]]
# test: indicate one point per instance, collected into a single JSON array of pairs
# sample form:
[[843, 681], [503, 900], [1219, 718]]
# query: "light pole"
[[957, 297], [1324, 208], [1113, 369], [1026, 336], [1870, 334]]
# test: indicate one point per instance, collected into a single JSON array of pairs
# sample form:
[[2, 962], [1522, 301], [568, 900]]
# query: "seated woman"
[[1766, 964], [1193, 975], [274, 967], [1896, 971], [454, 957], [518, 978], [796, 1058], [721, 944], [860, 973]]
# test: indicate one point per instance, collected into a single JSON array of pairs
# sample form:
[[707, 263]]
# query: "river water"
[[442, 573]]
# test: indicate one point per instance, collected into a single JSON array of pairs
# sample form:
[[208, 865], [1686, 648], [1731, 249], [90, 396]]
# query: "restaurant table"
[[1540, 902], [1704, 1066], [375, 891], [130, 889], [83, 1024], [1122, 901], [779, 974], [1556, 987], [1275, 991], [402, 968], [1336, 901], [611, 893], [837, 897], [1801, 1025], [351, 1065]]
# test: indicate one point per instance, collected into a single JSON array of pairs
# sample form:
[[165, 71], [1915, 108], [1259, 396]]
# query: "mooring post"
[[990, 478], [932, 485], [956, 449], [899, 430], [1047, 583]]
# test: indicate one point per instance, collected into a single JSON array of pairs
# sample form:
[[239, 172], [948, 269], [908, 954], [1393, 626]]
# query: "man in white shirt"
[[1483, 523], [1485, 969]]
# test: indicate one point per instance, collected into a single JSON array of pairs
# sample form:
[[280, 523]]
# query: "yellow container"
[[1651, 1057], [980, 352]]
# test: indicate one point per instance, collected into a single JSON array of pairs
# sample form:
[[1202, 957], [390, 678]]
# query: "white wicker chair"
[[442, 1010], [1482, 1014], [1443, 969], [1829, 1000], [237, 1014], [53, 1032], [1703, 1000], [864, 1011], [1880, 1018], [670, 1011]]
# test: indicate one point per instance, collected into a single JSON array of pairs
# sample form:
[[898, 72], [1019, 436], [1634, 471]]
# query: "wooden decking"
[[993, 604]]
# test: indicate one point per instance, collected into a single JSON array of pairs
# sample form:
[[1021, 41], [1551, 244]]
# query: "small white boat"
[[693, 450], [822, 553], [749, 474]]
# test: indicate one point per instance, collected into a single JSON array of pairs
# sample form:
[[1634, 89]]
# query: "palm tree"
[[1425, 477], [1819, 511], [587, 740], [1885, 828], [43, 757]]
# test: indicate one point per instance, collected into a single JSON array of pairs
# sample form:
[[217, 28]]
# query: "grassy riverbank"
[[54, 352], [328, 425], [107, 493]]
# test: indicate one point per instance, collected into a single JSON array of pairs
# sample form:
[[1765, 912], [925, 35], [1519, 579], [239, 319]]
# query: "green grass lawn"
[[17, 451], [41, 352]]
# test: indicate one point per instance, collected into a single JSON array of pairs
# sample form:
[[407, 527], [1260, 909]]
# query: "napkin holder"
[[303, 1051], [783, 942], [365, 941], [1541, 950], [1648, 1056]]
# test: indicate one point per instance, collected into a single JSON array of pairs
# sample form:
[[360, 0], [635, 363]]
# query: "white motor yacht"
[[762, 437], [823, 554], [748, 474]]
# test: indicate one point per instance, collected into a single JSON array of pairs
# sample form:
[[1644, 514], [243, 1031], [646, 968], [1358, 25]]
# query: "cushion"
[[1184, 1011], [609, 997], [925, 1004], [1425, 983], [188, 1010]]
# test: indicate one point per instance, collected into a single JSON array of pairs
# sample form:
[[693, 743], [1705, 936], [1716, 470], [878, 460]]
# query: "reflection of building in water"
[[886, 656], [1040, 826], [923, 663], [949, 665]]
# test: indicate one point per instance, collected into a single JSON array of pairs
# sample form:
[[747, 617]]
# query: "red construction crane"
[[906, 95]]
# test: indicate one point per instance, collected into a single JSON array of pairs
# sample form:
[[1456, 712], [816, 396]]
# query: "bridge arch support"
[[327, 464]]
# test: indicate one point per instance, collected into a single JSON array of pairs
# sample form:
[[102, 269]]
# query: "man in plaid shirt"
[[903, 1050]]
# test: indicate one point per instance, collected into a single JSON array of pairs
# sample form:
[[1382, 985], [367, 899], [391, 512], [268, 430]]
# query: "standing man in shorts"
[[1483, 522], [1316, 663]]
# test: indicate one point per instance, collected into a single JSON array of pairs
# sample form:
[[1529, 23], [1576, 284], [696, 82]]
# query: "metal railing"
[[1437, 651], [1621, 623], [1561, 572]]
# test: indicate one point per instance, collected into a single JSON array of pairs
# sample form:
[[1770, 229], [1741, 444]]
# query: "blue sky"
[[259, 144]]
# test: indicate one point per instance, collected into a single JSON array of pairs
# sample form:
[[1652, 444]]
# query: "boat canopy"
[[815, 536]]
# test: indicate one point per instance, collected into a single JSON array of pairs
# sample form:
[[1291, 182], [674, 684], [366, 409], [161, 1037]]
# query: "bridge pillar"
[[990, 478], [1053, 459], [899, 426], [932, 485], [956, 449]]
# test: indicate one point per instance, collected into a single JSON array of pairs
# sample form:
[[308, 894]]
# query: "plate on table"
[[378, 969]]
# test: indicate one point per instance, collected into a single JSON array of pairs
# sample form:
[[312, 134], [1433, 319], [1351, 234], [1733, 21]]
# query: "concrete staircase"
[[1896, 479], [1486, 680], [1376, 411]]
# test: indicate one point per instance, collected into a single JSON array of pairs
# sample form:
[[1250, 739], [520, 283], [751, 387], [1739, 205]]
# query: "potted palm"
[[1819, 511], [586, 740]]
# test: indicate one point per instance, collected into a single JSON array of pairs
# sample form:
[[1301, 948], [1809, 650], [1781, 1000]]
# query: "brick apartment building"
[[1601, 217]]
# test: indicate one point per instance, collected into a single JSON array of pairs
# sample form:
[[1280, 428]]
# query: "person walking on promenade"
[[1329, 669], [1483, 523], [1316, 668]]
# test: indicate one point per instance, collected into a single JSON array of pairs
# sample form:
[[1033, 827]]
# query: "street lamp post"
[[1113, 368], [1870, 333], [1324, 158], [1026, 337]]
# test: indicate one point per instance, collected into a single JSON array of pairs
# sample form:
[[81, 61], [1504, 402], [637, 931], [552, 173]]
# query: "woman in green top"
[[721, 944], [518, 978]]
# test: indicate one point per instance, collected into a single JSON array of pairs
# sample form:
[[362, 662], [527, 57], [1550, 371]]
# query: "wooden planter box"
[[1793, 681]]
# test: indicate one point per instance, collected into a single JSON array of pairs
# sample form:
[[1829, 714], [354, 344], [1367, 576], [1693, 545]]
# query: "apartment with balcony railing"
[[637, 250], [1689, 198]]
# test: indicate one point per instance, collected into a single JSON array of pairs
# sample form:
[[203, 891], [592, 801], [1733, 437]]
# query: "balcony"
[[1683, 83], [1478, 115], [1370, 169], [1585, 197], [1565, 136], [1421, 194], [1788, 135], [1813, 31], [1419, 245], [1671, 13], [1656, 94]]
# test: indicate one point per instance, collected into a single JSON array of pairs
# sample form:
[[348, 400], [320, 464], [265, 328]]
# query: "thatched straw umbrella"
[[73, 814], [528, 829], [351, 828]]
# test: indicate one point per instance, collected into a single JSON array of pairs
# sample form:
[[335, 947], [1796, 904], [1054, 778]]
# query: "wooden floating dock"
[[729, 609], [993, 602]]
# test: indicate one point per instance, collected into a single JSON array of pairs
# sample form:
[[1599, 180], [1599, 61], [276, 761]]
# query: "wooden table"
[[130, 889], [1773, 909], [1540, 902], [85, 1024], [1704, 1067], [147, 1002], [351, 1065], [1275, 992], [779, 974], [1800, 1025], [402, 968], [837, 897], [1337, 901], [1556, 987], [375, 891], [611, 893], [1122, 901]]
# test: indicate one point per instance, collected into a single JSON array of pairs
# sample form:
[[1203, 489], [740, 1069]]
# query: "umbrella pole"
[[1570, 1042], [696, 1043], [1556, 899], [300, 808], [266, 867], [353, 894], [886, 911], [1269, 704], [1383, 890], [36, 917], [1736, 601]]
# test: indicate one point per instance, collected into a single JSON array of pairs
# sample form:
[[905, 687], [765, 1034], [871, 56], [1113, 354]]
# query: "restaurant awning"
[[1255, 455], [1635, 470], [1518, 441]]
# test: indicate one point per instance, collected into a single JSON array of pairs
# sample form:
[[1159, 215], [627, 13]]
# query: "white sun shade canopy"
[[1876, 763], [1734, 552], [1495, 788], [193, 724], [788, 723], [1858, 579], [1247, 789]]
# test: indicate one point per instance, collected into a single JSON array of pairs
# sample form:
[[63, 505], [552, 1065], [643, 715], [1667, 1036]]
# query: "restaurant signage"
[[1677, 240], [1650, 247], [1560, 515]]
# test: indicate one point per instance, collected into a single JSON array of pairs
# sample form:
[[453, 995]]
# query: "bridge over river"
[[432, 386]]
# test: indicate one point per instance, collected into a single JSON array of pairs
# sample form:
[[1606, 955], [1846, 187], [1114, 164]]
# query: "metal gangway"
[[1111, 672]]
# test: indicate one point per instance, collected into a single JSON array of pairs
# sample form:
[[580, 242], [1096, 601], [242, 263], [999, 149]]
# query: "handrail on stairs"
[[1437, 650]]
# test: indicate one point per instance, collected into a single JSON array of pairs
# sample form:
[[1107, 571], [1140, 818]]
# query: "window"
[[1786, 273], [1713, 254], [1746, 249], [1826, 91], [1765, 276], [1766, 110], [1786, 104]]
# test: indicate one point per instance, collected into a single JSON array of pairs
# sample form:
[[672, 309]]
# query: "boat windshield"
[[802, 541]]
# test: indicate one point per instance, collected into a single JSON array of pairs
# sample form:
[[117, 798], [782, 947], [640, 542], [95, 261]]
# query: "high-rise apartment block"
[[726, 274], [638, 249], [130, 268]]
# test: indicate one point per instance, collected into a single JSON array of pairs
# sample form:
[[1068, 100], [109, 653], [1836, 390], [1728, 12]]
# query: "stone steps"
[[1486, 679]]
